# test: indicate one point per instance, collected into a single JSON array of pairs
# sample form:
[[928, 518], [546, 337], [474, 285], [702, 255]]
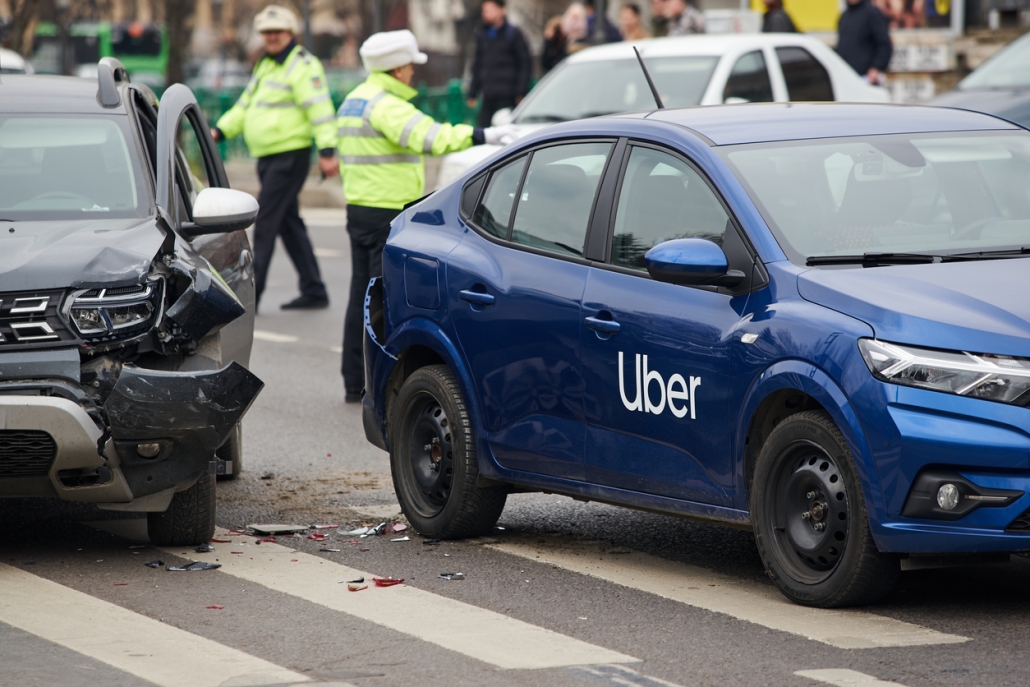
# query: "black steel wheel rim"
[[810, 512], [429, 455]]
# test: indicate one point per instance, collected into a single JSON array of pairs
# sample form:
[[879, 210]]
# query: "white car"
[[693, 70], [13, 63]]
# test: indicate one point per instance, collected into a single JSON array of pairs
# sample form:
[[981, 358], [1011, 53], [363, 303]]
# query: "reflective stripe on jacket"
[[284, 106], [382, 138]]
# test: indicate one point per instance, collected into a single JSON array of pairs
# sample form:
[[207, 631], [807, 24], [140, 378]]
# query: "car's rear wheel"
[[433, 459], [810, 518], [230, 455], [189, 520]]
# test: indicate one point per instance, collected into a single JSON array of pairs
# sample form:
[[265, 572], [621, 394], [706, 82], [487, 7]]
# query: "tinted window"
[[749, 80], [662, 199], [554, 208], [193, 169], [470, 196], [806, 78], [494, 212]]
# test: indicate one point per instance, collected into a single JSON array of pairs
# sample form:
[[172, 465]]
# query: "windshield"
[[941, 194], [1009, 68], [591, 89], [68, 168]]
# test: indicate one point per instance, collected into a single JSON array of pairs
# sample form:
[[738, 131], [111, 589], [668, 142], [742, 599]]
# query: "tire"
[[433, 460], [230, 454], [189, 520], [810, 519]]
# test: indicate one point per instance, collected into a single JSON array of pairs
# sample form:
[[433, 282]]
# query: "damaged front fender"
[[207, 304], [166, 426]]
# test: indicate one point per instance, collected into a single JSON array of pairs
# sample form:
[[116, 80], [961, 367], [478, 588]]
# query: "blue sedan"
[[807, 320]]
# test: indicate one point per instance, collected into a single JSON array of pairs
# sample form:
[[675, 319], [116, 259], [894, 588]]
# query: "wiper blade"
[[873, 259], [531, 119], [988, 254]]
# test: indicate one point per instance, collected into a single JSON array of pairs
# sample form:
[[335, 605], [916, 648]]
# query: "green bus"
[[142, 48]]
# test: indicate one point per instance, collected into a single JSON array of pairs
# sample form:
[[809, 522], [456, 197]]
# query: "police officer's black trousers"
[[368, 229], [282, 177]]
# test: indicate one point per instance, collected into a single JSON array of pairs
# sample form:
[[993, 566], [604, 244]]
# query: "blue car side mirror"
[[691, 262]]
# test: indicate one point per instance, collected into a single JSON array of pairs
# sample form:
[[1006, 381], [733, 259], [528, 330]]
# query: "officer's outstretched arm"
[[408, 127]]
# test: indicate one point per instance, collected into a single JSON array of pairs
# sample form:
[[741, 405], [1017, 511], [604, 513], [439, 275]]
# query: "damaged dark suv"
[[126, 301]]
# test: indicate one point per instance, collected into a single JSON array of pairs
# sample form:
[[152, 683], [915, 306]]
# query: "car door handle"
[[607, 326], [476, 297]]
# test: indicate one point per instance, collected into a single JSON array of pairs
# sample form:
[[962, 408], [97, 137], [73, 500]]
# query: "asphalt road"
[[567, 593]]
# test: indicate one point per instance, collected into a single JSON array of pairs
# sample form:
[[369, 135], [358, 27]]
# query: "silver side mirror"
[[220, 210], [501, 117]]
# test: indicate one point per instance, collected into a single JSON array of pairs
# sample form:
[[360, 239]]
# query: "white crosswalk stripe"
[[472, 631], [755, 603], [134, 643], [845, 678]]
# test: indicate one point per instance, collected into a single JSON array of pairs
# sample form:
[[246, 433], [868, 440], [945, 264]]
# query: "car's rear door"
[[656, 356], [514, 290]]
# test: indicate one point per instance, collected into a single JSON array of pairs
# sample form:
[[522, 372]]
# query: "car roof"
[[766, 122], [57, 94], [682, 46], [11, 59]]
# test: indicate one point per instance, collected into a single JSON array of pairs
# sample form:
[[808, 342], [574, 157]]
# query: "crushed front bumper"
[[156, 434]]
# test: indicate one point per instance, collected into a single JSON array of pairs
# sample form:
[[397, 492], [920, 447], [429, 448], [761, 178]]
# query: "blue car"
[[811, 321]]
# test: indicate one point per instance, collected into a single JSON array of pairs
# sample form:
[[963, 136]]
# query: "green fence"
[[442, 103]]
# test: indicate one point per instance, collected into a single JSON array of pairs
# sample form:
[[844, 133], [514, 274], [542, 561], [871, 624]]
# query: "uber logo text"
[[675, 390]]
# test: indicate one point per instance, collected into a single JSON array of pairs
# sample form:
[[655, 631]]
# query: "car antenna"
[[654, 91]]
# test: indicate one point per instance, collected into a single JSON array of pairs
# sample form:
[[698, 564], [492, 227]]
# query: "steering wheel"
[[60, 194]]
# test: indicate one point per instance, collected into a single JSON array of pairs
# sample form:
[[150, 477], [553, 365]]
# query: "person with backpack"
[[501, 65]]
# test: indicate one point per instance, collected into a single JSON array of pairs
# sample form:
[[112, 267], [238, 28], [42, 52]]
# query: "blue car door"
[[515, 286], [656, 355]]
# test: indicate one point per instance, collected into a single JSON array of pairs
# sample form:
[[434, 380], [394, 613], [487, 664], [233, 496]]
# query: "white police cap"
[[388, 50], [275, 18]]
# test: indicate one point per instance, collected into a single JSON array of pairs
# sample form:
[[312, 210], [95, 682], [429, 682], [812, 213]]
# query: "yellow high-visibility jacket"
[[285, 105], [382, 138]]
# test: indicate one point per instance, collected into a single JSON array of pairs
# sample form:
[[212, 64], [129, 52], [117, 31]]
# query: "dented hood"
[[76, 253]]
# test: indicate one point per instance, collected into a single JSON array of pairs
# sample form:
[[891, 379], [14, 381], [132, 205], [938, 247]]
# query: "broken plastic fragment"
[[401, 539], [199, 565], [452, 576], [220, 541], [359, 530], [204, 548], [353, 587], [315, 536], [214, 607], [329, 550], [386, 581], [121, 584], [278, 529], [154, 564], [324, 527], [398, 527], [357, 581], [430, 542]]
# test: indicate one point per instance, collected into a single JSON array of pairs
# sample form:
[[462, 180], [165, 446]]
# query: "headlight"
[[990, 377], [105, 314]]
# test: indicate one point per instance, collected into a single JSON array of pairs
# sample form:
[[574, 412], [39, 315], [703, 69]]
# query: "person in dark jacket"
[[501, 66], [776, 19], [863, 40], [610, 32], [555, 45]]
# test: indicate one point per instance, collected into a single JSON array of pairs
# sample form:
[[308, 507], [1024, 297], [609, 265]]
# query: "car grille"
[[25, 453], [30, 319], [1021, 523]]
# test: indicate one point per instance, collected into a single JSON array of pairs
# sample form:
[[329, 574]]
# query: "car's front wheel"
[[433, 459], [810, 518], [189, 520]]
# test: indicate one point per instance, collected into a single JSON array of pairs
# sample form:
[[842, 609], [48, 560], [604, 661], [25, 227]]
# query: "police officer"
[[382, 140], [284, 106]]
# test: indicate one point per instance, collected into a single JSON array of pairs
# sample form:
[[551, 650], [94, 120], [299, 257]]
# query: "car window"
[[806, 77], [69, 168], [193, 171], [554, 207], [662, 198], [749, 80], [494, 212]]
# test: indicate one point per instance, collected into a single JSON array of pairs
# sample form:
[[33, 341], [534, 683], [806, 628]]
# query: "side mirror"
[[691, 262], [221, 210], [502, 117], [734, 100]]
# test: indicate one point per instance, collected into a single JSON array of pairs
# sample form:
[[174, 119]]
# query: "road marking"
[[328, 252], [131, 642], [756, 603], [336, 349], [845, 678], [621, 676], [274, 337], [475, 632]]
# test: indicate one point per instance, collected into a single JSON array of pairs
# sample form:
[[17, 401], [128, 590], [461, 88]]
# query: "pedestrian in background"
[[684, 18], [382, 138], [629, 21], [776, 19], [659, 22], [285, 106], [501, 65], [555, 48], [610, 33], [574, 26], [864, 41]]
